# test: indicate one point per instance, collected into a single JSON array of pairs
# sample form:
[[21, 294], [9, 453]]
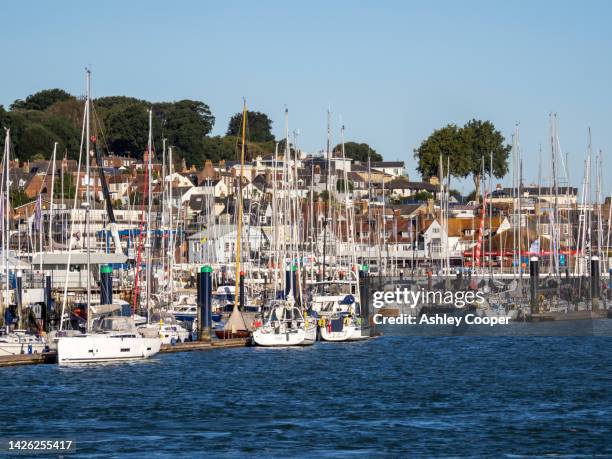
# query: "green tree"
[[340, 185], [463, 150], [421, 196], [64, 185], [41, 100], [19, 198], [258, 128], [185, 124], [128, 129], [358, 151]]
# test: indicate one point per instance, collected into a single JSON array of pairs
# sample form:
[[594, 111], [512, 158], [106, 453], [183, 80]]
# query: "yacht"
[[167, 328], [114, 339], [21, 342], [286, 325]]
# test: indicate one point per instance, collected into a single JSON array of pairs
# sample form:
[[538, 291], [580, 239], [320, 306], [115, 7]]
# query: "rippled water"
[[391, 396]]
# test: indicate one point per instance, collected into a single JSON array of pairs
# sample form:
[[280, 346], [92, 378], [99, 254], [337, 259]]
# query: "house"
[[118, 162], [218, 243], [402, 188], [393, 168], [535, 199]]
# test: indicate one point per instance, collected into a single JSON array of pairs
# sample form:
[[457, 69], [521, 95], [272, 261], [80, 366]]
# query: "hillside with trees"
[[121, 125]]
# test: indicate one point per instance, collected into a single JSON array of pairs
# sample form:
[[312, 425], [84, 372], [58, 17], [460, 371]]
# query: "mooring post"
[[294, 285], [595, 285], [364, 294], [199, 318], [106, 284], [19, 299], [288, 284], [46, 313], [534, 275], [205, 303]]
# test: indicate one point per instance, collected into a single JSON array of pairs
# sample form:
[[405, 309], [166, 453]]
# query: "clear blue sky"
[[392, 70]]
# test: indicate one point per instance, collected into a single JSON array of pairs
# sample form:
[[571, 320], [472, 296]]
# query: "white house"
[[218, 243]]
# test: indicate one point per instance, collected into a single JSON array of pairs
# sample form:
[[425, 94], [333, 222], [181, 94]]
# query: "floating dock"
[[27, 359], [570, 315], [205, 346], [51, 357]]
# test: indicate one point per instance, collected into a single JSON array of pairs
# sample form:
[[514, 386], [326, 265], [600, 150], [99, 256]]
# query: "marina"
[[289, 253], [305, 230]]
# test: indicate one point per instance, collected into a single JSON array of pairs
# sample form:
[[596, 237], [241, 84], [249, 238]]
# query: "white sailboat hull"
[[105, 348], [348, 333], [268, 337], [21, 348]]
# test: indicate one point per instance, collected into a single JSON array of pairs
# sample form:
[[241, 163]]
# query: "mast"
[[148, 245], [163, 209], [170, 223], [5, 236], [327, 210], [51, 198], [239, 200], [88, 197]]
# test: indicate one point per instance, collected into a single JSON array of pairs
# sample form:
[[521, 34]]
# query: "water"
[[391, 396]]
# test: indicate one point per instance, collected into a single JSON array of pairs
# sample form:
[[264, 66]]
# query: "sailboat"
[[340, 313], [113, 338], [287, 323], [235, 326], [16, 341]]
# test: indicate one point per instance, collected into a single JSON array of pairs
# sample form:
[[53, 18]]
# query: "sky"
[[390, 71]]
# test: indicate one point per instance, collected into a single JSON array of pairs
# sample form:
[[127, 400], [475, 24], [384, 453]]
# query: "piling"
[[288, 284], [294, 284], [199, 317], [595, 282], [534, 275], [205, 303], [106, 284], [46, 312], [19, 298], [364, 294]]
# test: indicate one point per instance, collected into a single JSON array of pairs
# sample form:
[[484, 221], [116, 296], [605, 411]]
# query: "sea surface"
[[393, 396]]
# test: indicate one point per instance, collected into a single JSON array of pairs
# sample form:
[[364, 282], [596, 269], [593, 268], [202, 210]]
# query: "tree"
[[463, 150], [64, 185], [422, 196], [186, 124], [482, 140], [358, 151], [340, 186], [128, 128], [41, 100], [258, 128]]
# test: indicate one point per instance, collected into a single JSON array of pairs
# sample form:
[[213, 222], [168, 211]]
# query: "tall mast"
[[163, 208], [148, 245], [88, 197], [5, 236], [327, 210], [170, 224], [239, 201], [51, 198]]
